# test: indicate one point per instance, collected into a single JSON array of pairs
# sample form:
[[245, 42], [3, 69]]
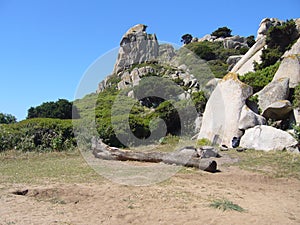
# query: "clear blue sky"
[[47, 45]]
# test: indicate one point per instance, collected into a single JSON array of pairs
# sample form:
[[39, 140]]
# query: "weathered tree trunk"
[[188, 158]]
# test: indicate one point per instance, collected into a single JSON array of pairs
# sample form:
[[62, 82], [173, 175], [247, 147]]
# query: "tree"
[[7, 118], [61, 109], [250, 40], [186, 39], [222, 32]]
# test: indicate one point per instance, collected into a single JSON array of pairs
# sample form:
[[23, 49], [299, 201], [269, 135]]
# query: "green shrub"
[[215, 54], [224, 204], [250, 41], [169, 139], [296, 129], [296, 97], [222, 32], [199, 99], [7, 118], [258, 79], [203, 142], [38, 135]]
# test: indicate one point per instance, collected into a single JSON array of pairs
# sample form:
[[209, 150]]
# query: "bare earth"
[[183, 199]]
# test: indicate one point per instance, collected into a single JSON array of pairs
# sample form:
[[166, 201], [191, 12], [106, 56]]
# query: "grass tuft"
[[224, 204]]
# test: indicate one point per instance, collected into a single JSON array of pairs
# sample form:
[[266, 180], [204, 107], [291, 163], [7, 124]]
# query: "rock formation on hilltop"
[[136, 47], [232, 110]]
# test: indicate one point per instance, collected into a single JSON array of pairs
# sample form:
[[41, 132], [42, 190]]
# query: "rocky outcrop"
[[290, 65], [166, 53], [249, 119], [132, 78], [245, 65], [278, 110], [235, 42], [136, 47], [275, 91], [211, 85], [267, 138], [264, 26], [222, 113], [232, 61]]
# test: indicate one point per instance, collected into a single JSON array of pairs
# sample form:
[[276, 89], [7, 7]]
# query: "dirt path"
[[183, 199]]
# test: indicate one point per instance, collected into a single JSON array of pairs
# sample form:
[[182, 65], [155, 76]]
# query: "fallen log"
[[185, 157]]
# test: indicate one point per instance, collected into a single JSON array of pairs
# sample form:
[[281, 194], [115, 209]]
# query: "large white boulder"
[[275, 91], [278, 110], [267, 138], [250, 119], [245, 64], [290, 65], [222, 113]]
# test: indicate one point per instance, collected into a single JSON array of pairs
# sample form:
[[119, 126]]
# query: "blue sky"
[[47, 45]]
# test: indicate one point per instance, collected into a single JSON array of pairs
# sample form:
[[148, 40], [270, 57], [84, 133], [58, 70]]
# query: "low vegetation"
[[224, 204], [34, 168], [274, 164], [260, 78], [39, 134], [215, 55], [7, 118]]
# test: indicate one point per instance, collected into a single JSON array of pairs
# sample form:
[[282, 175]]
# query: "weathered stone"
[[212, 84], [267, 138], [130, 94], [136, 47], [235, 42], [245, 64], [275, 91], [265, 25], [290, 65], [278, 110], [184, 96], [198, 123], [222, 113], [250, 119], [296, 114], [232, 61], [166, 53], [208, 152], [207, 37]]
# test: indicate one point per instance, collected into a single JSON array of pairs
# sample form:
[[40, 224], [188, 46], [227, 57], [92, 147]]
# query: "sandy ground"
[[182, 199]]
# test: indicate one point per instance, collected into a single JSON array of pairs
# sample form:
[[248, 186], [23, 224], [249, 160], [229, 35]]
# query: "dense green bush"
[[61, 109], [38, 135], [260, 78], [7, 118], [199, 99], [222, 32], [215, 54], [202, 49], [296, 97], [296, 129], [186, 38], [250, 41]]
